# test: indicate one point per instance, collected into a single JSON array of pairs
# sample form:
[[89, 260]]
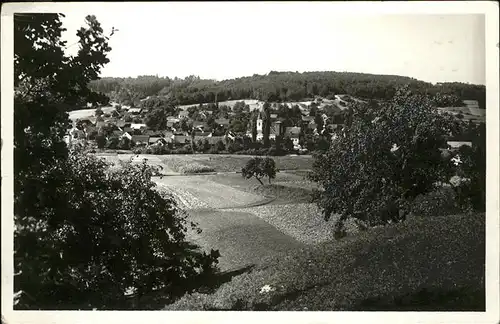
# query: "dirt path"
[[241, 237]]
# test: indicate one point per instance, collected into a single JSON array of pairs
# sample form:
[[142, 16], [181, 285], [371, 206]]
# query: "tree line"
[[277, 87]]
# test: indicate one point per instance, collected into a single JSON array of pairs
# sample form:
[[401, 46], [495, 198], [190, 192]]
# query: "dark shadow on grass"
[[211, 284], [459, 299]]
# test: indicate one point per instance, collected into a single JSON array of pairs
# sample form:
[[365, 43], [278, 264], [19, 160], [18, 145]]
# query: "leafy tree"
[[92, 135], [125, 143], [235, 146], [288, 144], [266, 124], [113, 143], [239, 107], [318, 120], [286, 86], [386, 157], [447, 100], [238, 124], [322, 144], [471, 191], [220, 146], [184, 125], [254, 127], [211, 122], [313, 111], [99, 112], [259, 168], [84, 233]]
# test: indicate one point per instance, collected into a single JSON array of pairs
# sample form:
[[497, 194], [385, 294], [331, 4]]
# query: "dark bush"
[[442, 201]]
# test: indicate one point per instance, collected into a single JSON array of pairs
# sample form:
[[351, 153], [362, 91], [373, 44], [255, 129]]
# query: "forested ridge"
[[276, 87]]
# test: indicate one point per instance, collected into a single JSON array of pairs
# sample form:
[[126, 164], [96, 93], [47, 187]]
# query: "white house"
[[457, 144], [138, 126]]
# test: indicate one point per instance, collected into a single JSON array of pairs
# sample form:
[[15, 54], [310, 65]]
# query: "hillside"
[[275, 87], [424, 264]]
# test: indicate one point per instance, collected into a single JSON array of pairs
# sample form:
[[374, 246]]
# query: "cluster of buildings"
[[113, 120], [87, 128]]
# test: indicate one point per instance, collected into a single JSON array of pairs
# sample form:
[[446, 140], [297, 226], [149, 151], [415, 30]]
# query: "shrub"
[[386, 156], [186, 149], [442, 201], [180, 165], [213, 150], [259, 168], [101, 141], [195, 168], [112, 143], [472, 166]]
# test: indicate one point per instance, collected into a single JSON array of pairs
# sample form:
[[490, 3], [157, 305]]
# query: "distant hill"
[[275, 87]]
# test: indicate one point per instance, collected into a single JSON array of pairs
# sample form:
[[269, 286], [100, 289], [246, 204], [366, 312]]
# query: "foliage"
[[277, 87], [125, 143], [180, 165], [84, 233], [259, 168], [158, 111], [439, 202], [99, 112], [266, 124], [101, 141], [113, 143], [383, 159], [102, 231], [472, 169], [318, 120]]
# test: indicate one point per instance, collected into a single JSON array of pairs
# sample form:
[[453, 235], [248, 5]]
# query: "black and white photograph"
[[303, 158]]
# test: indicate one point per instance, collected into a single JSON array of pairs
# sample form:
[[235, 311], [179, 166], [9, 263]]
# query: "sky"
[[226, 40]]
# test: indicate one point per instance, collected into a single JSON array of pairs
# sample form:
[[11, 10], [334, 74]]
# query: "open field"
[[218, 162], [226, 208], [253, 103], [200, 192], [231, 163], [86, 113]]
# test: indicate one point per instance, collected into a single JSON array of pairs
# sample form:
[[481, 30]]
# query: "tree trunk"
[[259, 180]]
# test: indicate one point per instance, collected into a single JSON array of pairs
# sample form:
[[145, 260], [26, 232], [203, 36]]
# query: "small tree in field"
[[259, 168], [382, 159]]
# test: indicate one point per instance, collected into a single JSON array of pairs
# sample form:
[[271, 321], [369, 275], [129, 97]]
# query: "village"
[[165, 164], [124, 127]]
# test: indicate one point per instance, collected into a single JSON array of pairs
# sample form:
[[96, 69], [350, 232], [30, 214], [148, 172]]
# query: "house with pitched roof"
[[224, 122], [183, 114], [181, 139], [135, 111], [155, 140]]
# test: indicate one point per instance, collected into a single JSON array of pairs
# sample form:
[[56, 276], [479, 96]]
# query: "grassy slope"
[[425, 264], [231, 163]]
